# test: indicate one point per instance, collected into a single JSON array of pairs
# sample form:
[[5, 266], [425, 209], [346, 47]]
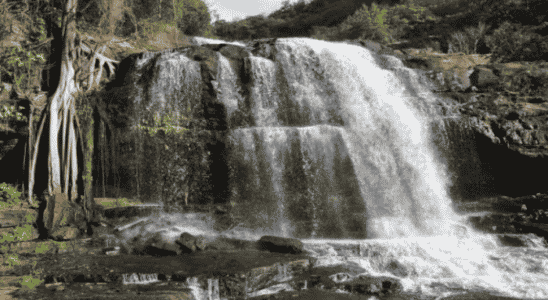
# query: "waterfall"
[[341, 130], [331, 143], [311, 138]]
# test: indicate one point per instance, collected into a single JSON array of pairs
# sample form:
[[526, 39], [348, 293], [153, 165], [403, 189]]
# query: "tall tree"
[[76, 61]]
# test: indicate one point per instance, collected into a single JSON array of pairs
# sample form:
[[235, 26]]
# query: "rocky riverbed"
[[234, 268]]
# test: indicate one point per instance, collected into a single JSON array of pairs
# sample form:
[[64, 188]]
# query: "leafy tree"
[[402, 17], [367, 23], [192, 16]]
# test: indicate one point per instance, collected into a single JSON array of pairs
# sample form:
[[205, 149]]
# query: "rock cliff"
[[502, 110], [497, 112]]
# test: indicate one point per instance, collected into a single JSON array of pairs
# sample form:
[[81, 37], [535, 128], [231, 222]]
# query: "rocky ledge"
[[506, 103], [496, 120], [507, 215]]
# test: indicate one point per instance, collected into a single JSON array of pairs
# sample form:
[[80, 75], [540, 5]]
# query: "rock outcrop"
[[481, 94], [189, 243], [495, 121]]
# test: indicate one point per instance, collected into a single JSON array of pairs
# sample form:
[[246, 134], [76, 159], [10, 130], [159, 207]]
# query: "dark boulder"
[[65, 233], [189, 243], [511, 240], [152, 243], [374, 285], [158, 244], [397, 268], [280, 244], [483, 77], [417, 63], [372, 46]]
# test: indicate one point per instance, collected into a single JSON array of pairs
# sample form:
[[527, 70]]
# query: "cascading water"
[[328, 141], [332, 130]]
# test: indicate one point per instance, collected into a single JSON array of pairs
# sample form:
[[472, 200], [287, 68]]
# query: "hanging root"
[[87, 74], [94, 63], [102, 61]]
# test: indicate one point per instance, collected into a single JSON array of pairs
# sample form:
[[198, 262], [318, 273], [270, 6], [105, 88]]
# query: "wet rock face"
[[499, 117], [361, 284], [514, 119], [509, 120], [510, 218]]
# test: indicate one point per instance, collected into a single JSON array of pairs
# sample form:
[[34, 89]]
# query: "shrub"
[[11, 260], [30, 282], [121, 202], [382, 24], [192, 16], [9, 113], [403, 17], [513, 42], [367, 23], [467, 41], [34, 279], [22, 66]]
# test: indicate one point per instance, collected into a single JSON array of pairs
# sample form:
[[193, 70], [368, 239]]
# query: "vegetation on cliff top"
[[510, 29]]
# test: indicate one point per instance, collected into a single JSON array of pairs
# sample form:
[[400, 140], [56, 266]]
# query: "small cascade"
[[139, 278], [448, 264]]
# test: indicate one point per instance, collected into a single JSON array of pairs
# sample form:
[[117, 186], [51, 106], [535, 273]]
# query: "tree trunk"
[[61, 122], [61, 211]]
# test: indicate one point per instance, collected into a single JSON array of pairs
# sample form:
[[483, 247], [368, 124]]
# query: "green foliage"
[[19, 233], [42, 248], [168, 124], [11, 260], [10, 112], [403, 17], [30, 282], [368, 23], [249, 28], [192, 16], [150, 27], [382, 24], [513, 42], [7, 237], [9, 196], [34, 279], [23, 233], [23, 66]]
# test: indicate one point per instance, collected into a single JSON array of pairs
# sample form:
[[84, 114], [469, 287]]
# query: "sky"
[[239, 9]]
